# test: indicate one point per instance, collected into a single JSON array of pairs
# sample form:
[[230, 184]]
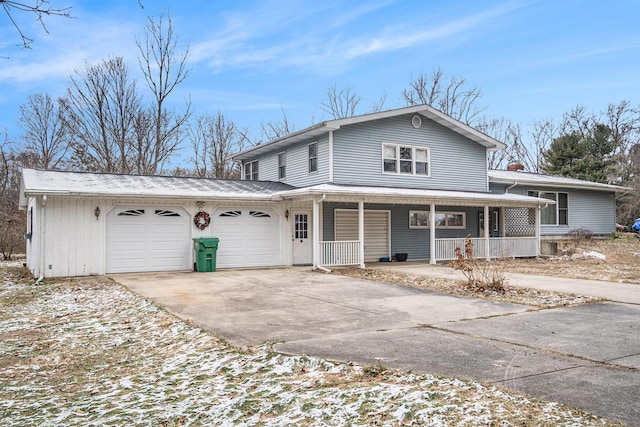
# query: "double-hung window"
[[313, 157], [251, 171], [405, 159], [553, 214], [282, 165]]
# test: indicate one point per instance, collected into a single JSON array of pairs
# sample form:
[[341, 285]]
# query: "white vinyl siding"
[[377, 231]]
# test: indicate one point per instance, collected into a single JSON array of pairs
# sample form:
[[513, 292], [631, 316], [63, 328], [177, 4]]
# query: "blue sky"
[[250, 59]]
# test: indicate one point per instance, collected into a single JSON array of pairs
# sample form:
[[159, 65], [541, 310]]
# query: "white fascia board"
[[279, 143], [584, 185], [404, 195]]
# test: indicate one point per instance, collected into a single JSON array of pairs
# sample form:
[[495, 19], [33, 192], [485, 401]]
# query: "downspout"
[[43, 223], [506, 191]]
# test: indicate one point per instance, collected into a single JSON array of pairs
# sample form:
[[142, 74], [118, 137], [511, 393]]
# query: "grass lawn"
[[87, 352]]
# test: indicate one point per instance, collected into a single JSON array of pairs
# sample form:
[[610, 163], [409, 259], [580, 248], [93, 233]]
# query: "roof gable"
[[319, 129]]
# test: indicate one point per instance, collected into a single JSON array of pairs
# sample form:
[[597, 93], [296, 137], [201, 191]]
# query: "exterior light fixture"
[[286, 214], [97, 212]]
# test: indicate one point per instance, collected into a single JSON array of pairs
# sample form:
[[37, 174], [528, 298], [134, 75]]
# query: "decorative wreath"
[[202, 220]]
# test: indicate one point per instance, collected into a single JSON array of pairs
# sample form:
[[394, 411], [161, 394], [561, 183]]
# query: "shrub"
[[581, 235], [481, 275]]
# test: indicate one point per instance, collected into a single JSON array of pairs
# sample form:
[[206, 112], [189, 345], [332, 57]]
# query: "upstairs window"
[[282, 165], [313, 157], [557, 214], [405, 159], [251, 171]]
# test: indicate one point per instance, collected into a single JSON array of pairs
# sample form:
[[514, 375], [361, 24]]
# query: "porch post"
[[361, 232], [487, 229], [537, 230], [432, 233], [315, 235]]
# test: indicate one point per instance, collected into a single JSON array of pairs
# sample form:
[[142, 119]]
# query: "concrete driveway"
[[586, 356]]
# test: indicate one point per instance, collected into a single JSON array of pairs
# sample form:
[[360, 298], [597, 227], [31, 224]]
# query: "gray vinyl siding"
[[413, 241], [297, 164], [593, 210], [456, 163]]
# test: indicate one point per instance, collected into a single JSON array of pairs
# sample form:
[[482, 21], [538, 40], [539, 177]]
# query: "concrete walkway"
[[627, 293]]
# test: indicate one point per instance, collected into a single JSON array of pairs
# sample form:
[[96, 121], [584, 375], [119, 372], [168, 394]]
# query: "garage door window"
[[132, 212], [162, 212], [259, 214], [230, 214]]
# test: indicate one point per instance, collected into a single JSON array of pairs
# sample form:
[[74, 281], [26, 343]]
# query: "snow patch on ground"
[[88, 352]]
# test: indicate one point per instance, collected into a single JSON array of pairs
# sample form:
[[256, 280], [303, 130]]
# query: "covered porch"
[[355, 225]]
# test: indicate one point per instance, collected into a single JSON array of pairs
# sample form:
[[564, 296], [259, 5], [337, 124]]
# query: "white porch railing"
[[499, 247], [339, 253]]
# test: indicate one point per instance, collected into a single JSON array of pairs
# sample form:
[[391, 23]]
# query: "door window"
[[301, 224]]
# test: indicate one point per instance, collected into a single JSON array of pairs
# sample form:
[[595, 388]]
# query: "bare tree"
[[276, 129], [214, 138], [103, 105], [453, 96], [341, 103], [504, 130], [46, 137], [542, 134], [38, 8], [164, 68], [378, 105], [12, 220]]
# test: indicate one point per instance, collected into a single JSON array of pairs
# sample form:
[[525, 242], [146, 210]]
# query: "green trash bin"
[[206, 249]]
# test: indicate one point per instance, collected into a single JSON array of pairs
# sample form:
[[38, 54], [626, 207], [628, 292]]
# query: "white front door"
[[301, 236]]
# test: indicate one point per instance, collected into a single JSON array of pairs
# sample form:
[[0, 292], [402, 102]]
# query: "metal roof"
[[324, 127], [542, 180]]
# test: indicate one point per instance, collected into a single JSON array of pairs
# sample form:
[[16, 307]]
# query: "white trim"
[[432, 234], [360, 232], [416, 121], [331, 156], [556, 205]]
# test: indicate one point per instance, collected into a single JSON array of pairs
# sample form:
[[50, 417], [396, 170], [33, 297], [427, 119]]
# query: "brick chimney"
[[514, 167]]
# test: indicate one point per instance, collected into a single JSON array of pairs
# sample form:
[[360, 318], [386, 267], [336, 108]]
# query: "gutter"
[[42, 239]]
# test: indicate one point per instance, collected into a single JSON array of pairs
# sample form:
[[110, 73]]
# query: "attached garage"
[[377, 231], [249, 237], [147, 238]]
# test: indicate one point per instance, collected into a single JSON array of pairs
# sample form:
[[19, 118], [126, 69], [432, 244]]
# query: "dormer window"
[[251, 171]]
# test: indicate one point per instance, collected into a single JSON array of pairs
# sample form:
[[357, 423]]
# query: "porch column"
[[361, 232], [315, 235], [538, 209], [487, 229], [432, 233]]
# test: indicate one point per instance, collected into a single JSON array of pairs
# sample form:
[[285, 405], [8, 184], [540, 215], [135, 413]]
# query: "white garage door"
[[248, 237], [148, 238], [376, 231]]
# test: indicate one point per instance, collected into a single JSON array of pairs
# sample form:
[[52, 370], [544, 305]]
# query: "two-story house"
[[410, 182]]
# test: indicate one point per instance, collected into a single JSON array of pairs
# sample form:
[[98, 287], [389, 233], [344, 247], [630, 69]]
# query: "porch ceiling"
[[338, 193]]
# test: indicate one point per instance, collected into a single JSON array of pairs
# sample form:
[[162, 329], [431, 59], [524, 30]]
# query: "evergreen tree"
[[582, 156]]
